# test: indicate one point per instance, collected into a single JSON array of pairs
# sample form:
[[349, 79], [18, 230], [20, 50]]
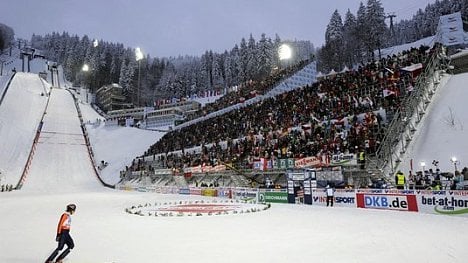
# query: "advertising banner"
[[184, 191], [342, 198], [245, 194], [401, 202], [307, 162], [343, 159], [224, 192], [282, 164], [285, 163], [195, 191], [142, 189], [209, 192], [273, 196], [443, 202]]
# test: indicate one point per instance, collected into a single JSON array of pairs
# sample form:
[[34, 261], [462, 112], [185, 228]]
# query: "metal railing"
[[405, 120]]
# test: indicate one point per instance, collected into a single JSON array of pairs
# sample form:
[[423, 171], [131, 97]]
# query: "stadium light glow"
[[455, 161], [138, 54], [284, 52], [85, 68], [422, 164]]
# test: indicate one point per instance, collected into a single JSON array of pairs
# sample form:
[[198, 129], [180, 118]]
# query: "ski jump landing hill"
[[42, 142]]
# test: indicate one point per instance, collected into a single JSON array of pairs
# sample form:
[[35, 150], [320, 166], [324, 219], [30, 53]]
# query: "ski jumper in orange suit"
[[63, 237]]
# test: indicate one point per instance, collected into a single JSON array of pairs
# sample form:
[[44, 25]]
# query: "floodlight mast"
[[138, 57], [85, 69]]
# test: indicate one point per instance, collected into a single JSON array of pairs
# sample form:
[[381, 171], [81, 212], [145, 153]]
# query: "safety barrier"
[[440, 202], [6, 88]]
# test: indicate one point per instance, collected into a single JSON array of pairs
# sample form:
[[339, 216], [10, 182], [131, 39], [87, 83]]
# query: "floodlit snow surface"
[[441, 133], [61, 161], [103, 232], [118, 146], [20, 113]]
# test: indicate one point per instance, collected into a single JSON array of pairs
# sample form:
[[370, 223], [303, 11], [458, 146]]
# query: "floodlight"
[[284, 52], [138, 54]]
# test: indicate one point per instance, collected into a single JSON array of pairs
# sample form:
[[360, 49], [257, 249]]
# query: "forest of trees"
[[348, 42], [6, 37], [356, 39], [163, 77]]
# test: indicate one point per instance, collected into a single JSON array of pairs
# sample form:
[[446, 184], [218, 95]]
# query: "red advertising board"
[[399, 202]]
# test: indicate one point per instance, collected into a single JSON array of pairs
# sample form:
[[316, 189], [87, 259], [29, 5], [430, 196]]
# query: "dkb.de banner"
[[402, 202]]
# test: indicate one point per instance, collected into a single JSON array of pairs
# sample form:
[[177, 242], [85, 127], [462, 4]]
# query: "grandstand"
[[322, 124]]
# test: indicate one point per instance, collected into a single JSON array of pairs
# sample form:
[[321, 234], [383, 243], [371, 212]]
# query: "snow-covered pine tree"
[[275, 54], [235, 65], [375, 19], [362, 32], [218, 70], [264, 56], [243, 61], [252, 65], [334, 41], [229, 78], [127, 74], [351, 45]]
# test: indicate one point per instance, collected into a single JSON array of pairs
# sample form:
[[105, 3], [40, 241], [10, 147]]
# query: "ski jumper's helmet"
[[71, 207]]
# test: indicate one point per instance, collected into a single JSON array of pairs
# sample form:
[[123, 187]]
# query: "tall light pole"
[[138, 57], [85, 69], [94, 64]]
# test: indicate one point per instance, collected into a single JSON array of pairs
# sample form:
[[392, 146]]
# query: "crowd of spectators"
[[6, 188], [249, 89], [341, 113], [437, 180]]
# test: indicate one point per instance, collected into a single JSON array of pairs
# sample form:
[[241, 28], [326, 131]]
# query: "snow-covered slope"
[[61, 161], [118, 146], [20, 114], [428, 41], [443, 132]]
